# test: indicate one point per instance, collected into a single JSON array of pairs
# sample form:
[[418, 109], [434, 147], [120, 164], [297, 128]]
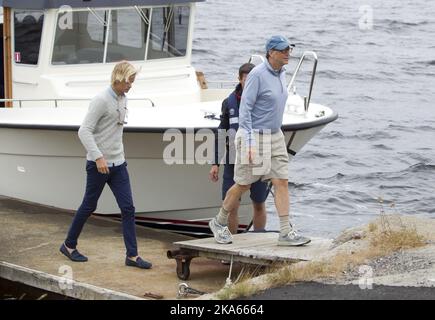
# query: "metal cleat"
[[184, 290]]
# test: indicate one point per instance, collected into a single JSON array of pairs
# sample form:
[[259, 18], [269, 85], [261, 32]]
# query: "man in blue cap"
[[260, 120], [226, 136]]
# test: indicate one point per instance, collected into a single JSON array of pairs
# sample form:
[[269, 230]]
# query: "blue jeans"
[[119, 182]]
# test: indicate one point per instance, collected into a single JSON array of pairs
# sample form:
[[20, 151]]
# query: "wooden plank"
[[201, 80], [303, 253], [7, 48], [243, 259], [256, 246], [244, 240]]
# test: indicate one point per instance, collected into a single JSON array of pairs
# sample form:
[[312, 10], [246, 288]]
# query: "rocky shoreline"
[[405, 267], [413, 267]]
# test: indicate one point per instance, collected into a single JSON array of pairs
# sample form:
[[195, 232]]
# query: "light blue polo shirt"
[[263, 101]]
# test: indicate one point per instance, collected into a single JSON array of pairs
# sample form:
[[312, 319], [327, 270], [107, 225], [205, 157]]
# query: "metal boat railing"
[[256, 56], [56, 101], [313, 75], [291, 88], [221, 84], [230, 84]]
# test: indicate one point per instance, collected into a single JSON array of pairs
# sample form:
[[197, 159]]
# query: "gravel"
[[401, 262]]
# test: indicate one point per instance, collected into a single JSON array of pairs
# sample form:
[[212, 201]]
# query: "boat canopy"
[[51, 4]]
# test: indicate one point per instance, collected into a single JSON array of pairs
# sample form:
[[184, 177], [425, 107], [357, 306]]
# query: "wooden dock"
[[248, 248], [30, 237]]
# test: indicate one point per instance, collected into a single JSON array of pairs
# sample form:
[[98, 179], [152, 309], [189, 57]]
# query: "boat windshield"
[[134, 34]]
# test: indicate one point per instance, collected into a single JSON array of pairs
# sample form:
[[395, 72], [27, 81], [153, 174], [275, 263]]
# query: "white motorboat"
[[56, 58]]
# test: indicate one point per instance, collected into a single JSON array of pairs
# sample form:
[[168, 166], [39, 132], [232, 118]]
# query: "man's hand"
[[251, 154], [214, 173], [102, 166]]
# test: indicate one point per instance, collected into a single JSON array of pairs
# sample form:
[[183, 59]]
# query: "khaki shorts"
[[270, 159]]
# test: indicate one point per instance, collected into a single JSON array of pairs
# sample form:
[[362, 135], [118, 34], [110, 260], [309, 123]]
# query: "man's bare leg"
[[282, 204], [288, 236], [259, 219], [219, 224], [231, 202], [282, 197], [233, 219]]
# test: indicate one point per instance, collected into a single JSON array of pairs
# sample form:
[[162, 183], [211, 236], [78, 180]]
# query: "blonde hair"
[[123, 71]]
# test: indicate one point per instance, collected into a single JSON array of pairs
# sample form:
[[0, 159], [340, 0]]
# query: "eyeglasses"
[[285, 51], [122, 120]]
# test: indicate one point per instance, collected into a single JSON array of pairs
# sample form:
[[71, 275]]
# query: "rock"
[[349, 235]]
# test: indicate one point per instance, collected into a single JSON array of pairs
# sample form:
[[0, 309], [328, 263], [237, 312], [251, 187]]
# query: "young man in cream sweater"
[[101, 135]]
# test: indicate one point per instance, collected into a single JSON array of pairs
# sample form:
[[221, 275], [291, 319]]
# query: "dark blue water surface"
[[379, 77]]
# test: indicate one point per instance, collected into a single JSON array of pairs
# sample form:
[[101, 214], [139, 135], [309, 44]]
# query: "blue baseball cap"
[[278, 43]]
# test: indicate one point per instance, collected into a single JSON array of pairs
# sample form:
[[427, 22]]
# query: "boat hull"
[[48, 167]]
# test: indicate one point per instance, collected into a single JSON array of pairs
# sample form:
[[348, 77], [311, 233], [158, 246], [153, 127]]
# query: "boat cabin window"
[[81, 41], [169, 32], [127, 35], [27, 36], [99, 36]]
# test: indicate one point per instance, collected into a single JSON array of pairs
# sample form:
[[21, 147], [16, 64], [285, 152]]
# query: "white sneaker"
[[293, 239], [221, 233]]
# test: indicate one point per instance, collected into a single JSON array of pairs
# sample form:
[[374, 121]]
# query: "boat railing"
[[231, 84], [256, 56], [221, 84], [57, 101], [313, 75]]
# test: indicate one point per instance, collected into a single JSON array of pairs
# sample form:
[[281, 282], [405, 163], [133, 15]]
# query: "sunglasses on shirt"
[[121, 121]]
